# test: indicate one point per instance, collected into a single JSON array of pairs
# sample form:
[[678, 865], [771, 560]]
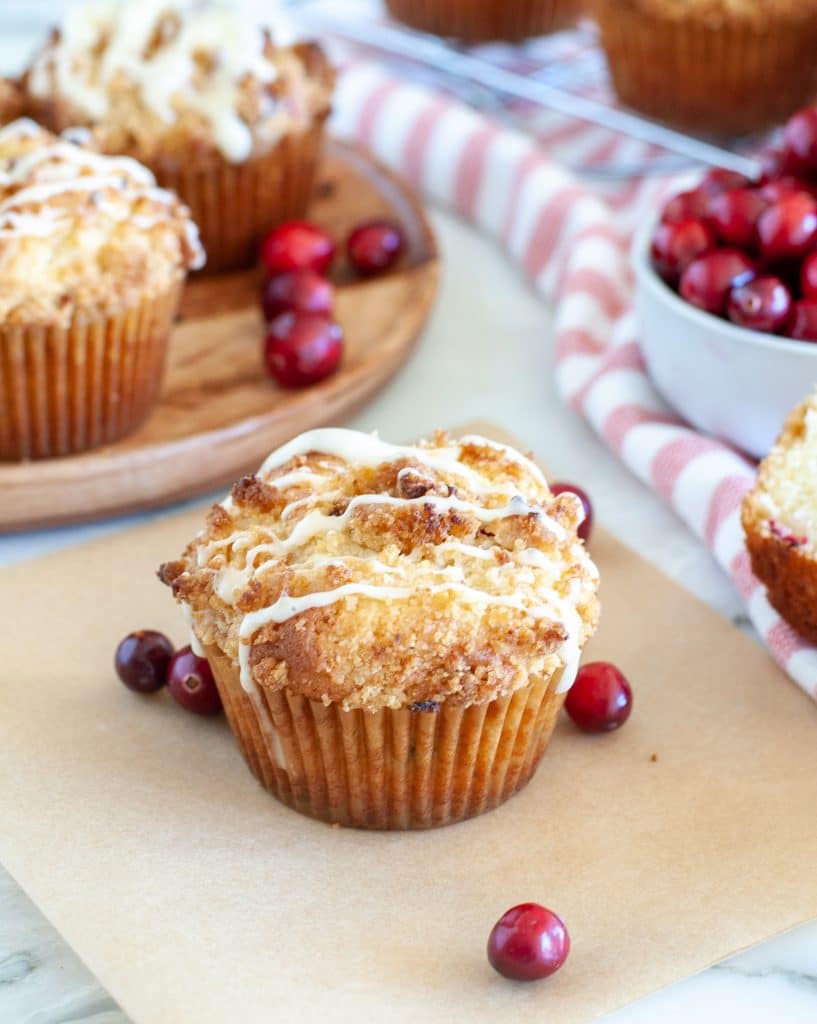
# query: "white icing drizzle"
[[170, 73], [195, 646]]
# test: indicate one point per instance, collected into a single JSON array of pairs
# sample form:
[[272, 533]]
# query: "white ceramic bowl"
[[736, 384]]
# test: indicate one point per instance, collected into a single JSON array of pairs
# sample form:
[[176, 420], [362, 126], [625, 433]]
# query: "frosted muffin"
[[230, 121], [475, 21], [780, 521], [715, 66], [92, 260], [392, 629]]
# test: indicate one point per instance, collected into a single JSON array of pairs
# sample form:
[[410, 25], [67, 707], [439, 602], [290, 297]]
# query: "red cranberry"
[[803, 324], [190, 680], [375, 246], [763, 304], [141, 660], [788, 229], [528, 942], [302, 291], [808, 277], [586, 527], [297, 245], [734, 216], [302, 348], [601, 699], [718, 180], [676, 245], [800, 136], [708, 280], [693, 205], [774, 191]]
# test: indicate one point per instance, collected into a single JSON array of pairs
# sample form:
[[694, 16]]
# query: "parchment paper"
[[194, 896]]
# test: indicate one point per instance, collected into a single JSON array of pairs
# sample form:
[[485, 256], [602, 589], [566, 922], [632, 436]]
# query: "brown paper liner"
[[235, 205], [389, 769], [475, 21], [64, 390], [727, 79]]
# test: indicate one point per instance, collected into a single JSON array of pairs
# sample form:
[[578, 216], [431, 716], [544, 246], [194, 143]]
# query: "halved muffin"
[[780, 520], [92, 260], [201, 94], [392, 629]]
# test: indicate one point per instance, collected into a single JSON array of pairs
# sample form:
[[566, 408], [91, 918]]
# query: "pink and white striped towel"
[[572, 243]]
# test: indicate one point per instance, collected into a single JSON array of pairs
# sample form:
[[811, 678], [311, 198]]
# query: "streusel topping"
[[175, 78], [82, 232], [355, 571]]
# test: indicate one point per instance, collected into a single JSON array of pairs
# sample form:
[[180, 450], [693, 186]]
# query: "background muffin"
[[719, 66], [392, 630], [475, 21], [203, 96], [780, 520], [92, 259]]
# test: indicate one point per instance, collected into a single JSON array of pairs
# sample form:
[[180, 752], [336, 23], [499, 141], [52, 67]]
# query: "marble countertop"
[[486, 353]]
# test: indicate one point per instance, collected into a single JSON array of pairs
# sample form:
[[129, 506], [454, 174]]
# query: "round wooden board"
[[218, 415]]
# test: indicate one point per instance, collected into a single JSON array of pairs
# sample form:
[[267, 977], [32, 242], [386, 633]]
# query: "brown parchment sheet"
[[195, 897]]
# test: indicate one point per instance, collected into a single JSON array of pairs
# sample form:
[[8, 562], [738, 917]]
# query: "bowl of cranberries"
[[727, 294]]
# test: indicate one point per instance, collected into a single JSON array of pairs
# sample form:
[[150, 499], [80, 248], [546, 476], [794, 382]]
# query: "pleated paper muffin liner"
[[235, 204], [728, 78], [405, 769], [475, 21], [65, 390]]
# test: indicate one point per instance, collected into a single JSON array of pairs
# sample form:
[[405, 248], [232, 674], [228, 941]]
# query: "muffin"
[[92, 260], [780, 521], [475, 21], [392, 629], [227, 119], [726, 67]]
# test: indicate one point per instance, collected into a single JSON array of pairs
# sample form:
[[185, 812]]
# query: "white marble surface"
[[486, 354]]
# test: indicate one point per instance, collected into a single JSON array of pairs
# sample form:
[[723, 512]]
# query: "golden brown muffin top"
[[784, 501], [83, 232], [354, 571], [175, 79]]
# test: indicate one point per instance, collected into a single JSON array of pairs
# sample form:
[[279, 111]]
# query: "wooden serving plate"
[[218, 414]]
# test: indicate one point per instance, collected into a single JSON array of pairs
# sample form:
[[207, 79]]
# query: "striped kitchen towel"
[[572, 241]]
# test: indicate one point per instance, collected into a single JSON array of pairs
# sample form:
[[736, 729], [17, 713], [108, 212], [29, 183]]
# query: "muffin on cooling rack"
[[780, 520], [202, 95], [392, 629], [715, 66], [475, 21], [92, 260]]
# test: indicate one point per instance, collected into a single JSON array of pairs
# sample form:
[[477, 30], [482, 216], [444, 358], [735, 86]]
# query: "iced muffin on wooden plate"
[[780, 520], [92, 260], [392, 629], [202, 95]]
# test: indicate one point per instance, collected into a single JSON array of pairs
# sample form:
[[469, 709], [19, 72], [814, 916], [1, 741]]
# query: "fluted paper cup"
[[475, 21]]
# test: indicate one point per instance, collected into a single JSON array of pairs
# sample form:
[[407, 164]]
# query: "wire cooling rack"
[[564, 74]]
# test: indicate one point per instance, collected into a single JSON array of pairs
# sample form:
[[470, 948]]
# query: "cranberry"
[[528, 942], [803, 324], [302, 348], [190, 680], [707, 281], [141, 660], [719, 180], [375, 246], [774, 191], [586, 526], [734, 216], [808, 277], [763, 304], [302, 291], [676, 245], [601, 699], [297, 245], [774, 164], [800, 136], [788, 229], [693, 205]]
